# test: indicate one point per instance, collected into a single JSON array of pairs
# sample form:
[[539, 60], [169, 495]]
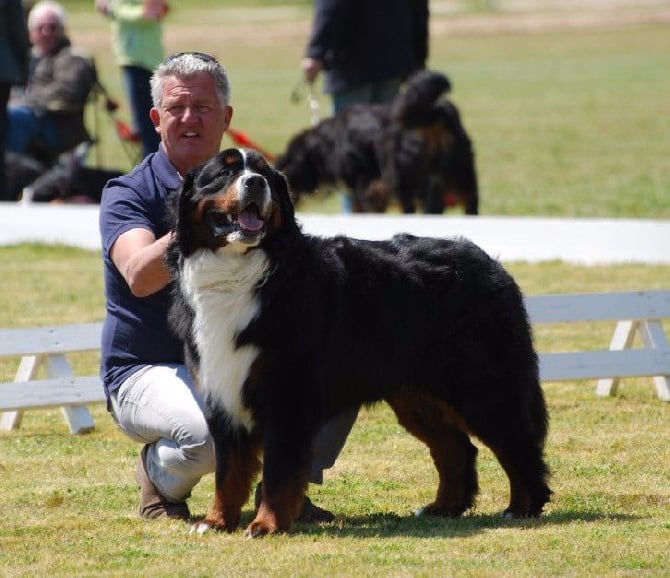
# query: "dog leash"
[[312, 100]]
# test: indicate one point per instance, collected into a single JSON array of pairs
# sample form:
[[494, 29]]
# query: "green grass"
[[69, 502], [567, 123]]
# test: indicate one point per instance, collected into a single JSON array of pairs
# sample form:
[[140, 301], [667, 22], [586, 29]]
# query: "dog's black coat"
[[414, 149], [20, 171], [434, 327]]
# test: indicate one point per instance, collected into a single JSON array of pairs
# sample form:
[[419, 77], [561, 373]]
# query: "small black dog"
[[283, 331], [20, 171], [67, 181], [414, 150]]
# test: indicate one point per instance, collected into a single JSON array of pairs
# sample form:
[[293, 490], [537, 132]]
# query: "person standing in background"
[[14, 59], [137, 38], [366, 50]]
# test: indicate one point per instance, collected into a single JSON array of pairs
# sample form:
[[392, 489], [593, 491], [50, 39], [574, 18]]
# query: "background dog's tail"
[[414, 106]]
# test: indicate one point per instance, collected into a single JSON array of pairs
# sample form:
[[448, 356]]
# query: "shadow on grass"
[[378, 525]]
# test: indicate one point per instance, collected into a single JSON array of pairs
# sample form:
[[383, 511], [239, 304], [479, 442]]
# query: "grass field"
[[69, 502], [567, 120]]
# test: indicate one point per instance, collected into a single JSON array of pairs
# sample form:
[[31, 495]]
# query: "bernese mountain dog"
[[284, 330], [414, 151]]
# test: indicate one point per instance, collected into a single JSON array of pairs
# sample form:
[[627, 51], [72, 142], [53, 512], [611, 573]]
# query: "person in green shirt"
[[137, 38]]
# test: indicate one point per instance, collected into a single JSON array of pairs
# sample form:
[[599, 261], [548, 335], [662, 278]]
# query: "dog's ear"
[[208, 175], [180, 202], [281, 196], [281, 193], [186, 193], [175, 200]]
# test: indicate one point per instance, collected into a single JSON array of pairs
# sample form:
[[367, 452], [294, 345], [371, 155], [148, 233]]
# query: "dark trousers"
[[138, 88], [5, 87], [329, 441]]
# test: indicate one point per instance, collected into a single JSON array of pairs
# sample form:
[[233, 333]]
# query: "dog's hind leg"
[[515, 429], [435, 424], [520, 455]]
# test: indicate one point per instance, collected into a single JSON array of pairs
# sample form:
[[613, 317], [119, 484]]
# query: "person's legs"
[[326, 446], [329, 441], [22, 128], [138, 88], [159, 407], [25, 126], [5, 88], [368, 93], [356, 95], [384, 91]]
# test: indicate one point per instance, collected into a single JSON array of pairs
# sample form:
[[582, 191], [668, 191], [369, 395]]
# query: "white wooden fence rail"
[[48, 348], [638, 312], [635, 313]]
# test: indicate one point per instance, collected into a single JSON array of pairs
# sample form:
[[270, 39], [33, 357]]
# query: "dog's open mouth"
[[250, 218], [248, 221]]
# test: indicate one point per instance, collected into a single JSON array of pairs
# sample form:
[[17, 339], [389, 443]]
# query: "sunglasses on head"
[[199, 55]]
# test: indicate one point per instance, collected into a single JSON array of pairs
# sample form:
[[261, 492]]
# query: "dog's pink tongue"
[[249, 220]]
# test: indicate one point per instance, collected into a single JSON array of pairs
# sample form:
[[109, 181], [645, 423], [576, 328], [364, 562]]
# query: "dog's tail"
[[414, 106]]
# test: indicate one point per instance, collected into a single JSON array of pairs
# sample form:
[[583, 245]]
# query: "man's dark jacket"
[[361, 41], [59, 84]]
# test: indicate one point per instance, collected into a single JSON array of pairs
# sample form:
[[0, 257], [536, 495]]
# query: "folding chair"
[[129, 139]]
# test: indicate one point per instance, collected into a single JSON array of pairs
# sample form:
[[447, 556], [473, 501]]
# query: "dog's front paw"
[[208, 524], [260, 527], [200, 527], [434, 509]]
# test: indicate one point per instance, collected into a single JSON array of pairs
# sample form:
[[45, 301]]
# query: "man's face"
[[191, 120], [46, 32]]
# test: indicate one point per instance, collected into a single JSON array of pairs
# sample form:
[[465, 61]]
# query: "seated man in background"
[[49, 119]]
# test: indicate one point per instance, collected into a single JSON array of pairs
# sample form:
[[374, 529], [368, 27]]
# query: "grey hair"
[[184, 66], [47, 6]]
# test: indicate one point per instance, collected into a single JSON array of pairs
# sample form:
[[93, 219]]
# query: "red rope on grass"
[[240, 138]]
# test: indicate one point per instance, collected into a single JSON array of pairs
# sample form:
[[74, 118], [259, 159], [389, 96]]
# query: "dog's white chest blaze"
[[220, 288]]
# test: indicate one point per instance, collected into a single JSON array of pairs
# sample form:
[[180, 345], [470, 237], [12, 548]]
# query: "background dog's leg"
[[433, 203], [454, 455]]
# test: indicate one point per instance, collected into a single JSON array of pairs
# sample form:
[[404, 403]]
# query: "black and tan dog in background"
[[284, 330], [413, 151]]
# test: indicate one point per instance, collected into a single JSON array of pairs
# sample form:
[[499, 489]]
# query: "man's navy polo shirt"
[[135, 332]]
